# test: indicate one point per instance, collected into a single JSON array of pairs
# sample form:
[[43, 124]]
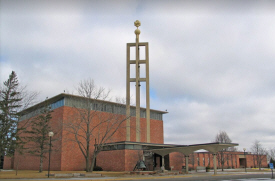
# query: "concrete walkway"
[[141, 177]]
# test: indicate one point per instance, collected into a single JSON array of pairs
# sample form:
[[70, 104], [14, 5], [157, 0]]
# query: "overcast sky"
[[212, 63]]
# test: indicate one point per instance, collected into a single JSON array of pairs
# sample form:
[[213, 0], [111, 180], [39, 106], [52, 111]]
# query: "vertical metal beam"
[[186, 164], [215, 163], [128, 113], [148, 133], [137, 88], [162, 164]]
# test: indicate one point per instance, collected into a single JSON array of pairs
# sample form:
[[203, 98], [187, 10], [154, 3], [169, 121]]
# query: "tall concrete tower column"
[[137, 80]]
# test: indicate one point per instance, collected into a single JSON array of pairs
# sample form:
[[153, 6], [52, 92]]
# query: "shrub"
[[97, 168]]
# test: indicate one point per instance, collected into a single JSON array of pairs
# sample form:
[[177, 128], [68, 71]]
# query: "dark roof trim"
[[63, 95], [166, 145]]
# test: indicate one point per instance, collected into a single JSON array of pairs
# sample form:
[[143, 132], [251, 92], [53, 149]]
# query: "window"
[[57, 104], [95, 106]]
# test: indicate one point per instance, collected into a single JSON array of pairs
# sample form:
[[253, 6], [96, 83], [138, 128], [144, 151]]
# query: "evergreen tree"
[[10, 102], [38, 139]]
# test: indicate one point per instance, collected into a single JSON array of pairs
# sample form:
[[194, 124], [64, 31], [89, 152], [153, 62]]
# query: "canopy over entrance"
[[165, 149], [188, 149]]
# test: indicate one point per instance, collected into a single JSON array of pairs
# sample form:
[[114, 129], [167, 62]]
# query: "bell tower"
[[137, 79]]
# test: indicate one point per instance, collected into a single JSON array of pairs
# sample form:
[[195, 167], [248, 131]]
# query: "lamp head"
[[51, 134], [244, 149]]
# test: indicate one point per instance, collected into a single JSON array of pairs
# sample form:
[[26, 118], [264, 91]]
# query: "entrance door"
[[242, 162]]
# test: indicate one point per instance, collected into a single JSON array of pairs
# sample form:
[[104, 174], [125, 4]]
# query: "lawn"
[[4, 174]]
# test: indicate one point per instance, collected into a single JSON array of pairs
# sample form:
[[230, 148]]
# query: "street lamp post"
[[50, 149], [244, 159]]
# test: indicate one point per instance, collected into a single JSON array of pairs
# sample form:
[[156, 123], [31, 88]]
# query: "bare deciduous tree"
[[259, 153], [271, 154], [222, 137], [93, 120]]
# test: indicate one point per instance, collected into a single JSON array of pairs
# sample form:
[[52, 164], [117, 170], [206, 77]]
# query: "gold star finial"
[[137, 23]]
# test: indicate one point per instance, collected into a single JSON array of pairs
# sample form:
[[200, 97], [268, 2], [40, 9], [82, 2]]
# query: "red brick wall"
[[8, 163], [30, 162], [131, 158], [70, 149], [205, 156], [66, 154], [250, 163], [72, 154], [233, 160], [71, 157], [176, 160], [119, 160], [156, 130], [111, 160]]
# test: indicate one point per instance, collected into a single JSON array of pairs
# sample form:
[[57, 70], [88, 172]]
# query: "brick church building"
[[118, 154]]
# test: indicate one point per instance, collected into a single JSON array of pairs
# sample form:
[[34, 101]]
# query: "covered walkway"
[[165, 149], [189, 149]]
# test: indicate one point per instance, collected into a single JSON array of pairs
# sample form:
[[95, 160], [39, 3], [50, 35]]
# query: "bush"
[[207, 168], [97, 168]]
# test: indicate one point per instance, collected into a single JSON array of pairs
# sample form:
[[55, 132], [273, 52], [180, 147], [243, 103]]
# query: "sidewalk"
[[107, 176]]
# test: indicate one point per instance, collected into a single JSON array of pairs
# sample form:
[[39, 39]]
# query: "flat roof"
[[63, 95], [164, 149]]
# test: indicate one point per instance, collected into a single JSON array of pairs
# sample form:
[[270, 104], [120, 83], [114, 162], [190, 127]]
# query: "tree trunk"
[[41, 164], [17, 163], [88, 146], [87, 164], [259, 161], [93, 162], [222, 160], [254, 161]]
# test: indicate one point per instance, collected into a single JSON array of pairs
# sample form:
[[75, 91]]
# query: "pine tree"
[[10, 102], [38, 139]]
